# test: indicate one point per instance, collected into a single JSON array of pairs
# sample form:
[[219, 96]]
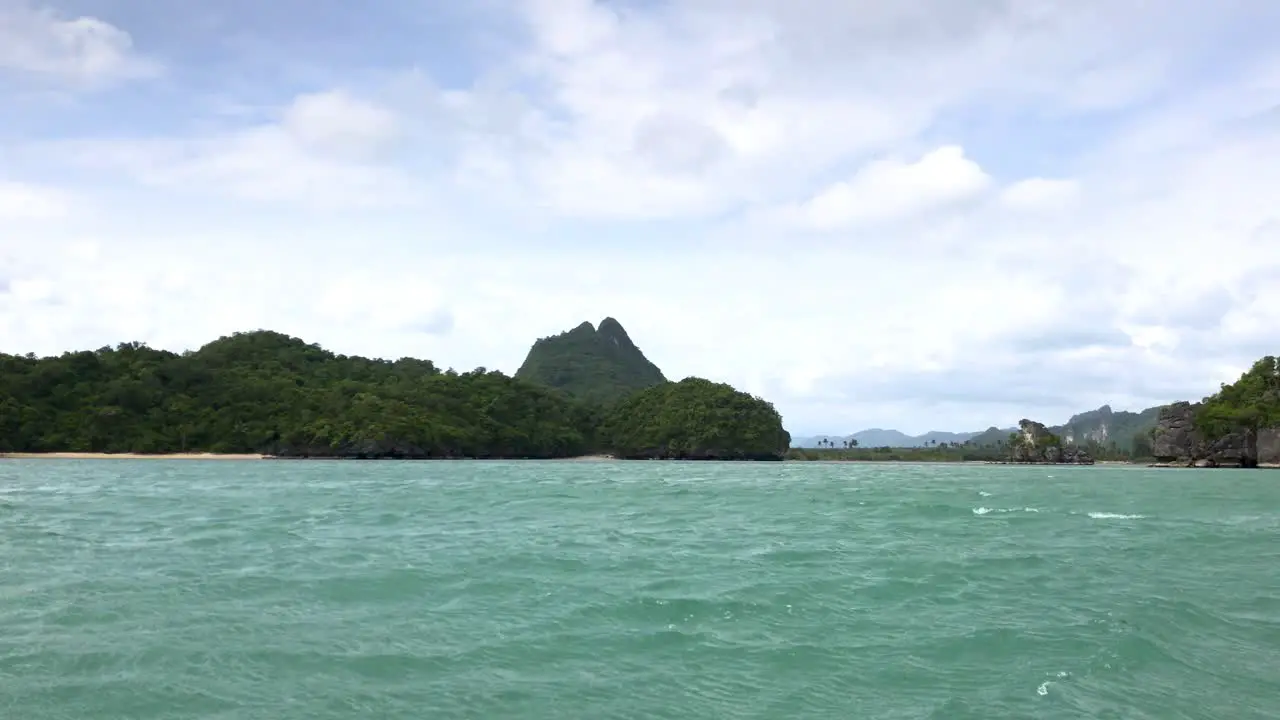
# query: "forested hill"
[[1105, 427], [597, 365], [263, 392]]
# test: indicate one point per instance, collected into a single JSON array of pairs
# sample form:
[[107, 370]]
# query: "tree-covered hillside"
[[1105, 427], [599, 366], [1251, 403], [991, 437], [263, 392], [695, 419]]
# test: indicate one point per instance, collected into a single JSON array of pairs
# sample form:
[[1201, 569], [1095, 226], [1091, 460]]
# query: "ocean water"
[[541, 590]]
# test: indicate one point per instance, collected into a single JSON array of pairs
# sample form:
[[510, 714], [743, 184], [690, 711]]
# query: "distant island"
[[1239, 426], [589, 391], [585, 392], [1105, 430]]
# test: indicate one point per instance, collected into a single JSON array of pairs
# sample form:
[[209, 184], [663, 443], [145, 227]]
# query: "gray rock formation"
[[1176, 441], [1269, 446], [1034, 443]]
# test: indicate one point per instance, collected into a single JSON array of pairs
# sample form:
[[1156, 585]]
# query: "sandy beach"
[[125, 456], [195, 456]]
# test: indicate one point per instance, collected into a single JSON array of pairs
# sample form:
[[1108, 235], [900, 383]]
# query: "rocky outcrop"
[[1034, 443], [1269, 446], [1175, 440]]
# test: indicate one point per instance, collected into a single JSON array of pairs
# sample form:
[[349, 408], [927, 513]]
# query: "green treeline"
[[695, 419], [1250, 403], [996, 451], [263, 392]]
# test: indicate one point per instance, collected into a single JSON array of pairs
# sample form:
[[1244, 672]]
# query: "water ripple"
[[641, 590]]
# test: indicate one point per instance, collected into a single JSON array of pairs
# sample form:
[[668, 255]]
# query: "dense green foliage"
[[1105, 427], [695, 419], [1251, 403], [263, 392], [596, 366], [1035, 436]]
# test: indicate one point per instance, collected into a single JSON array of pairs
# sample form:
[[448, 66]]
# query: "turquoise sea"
[[562, 590]]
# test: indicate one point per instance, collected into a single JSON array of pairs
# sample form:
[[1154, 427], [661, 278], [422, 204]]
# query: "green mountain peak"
[[597, 364]]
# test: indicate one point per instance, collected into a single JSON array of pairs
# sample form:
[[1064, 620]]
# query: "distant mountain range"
[[878, 437], [1102, 426]]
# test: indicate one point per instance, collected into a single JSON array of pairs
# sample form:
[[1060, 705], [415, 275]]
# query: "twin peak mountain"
[[599, 365], [642, 415]]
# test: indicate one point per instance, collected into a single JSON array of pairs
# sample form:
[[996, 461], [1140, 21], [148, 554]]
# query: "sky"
[[920, 214]]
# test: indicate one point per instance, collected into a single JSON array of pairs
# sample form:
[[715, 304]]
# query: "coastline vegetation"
[[267, 393], [949, 452], [1251, 403], [582, 393]]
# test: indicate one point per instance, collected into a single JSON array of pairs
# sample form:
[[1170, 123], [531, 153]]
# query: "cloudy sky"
[[921, 214]]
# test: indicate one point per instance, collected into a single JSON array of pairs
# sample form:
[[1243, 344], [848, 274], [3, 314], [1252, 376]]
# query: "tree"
[[268, 393], [695, 419], [600, 366], [1251, 403]]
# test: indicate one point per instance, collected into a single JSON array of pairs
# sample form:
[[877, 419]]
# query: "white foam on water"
[[984, 493], [1044, 686], [987, 510], [1114, 516]]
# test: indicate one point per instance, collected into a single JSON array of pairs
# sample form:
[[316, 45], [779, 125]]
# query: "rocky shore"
[[1034, 444], [1176, 442]]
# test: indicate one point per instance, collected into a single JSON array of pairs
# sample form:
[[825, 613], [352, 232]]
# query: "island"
[[1238, 426], [585, 392]]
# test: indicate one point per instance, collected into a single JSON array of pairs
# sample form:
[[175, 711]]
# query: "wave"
[[1114, 516], [987, 510]]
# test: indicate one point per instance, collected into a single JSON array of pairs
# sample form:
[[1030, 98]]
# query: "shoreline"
[[219, 456], [130, 456], [577, 459]]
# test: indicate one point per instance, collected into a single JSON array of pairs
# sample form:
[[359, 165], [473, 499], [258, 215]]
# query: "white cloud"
[[1040, 194], [1112, 240], [87, 50], [892, 189], [24, 201], [327, 149], [767, 95], [335, 122]]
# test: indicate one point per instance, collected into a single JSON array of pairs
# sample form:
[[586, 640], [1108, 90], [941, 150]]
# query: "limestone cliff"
[[1034, 443], [1105, 426], [1176, 440]]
